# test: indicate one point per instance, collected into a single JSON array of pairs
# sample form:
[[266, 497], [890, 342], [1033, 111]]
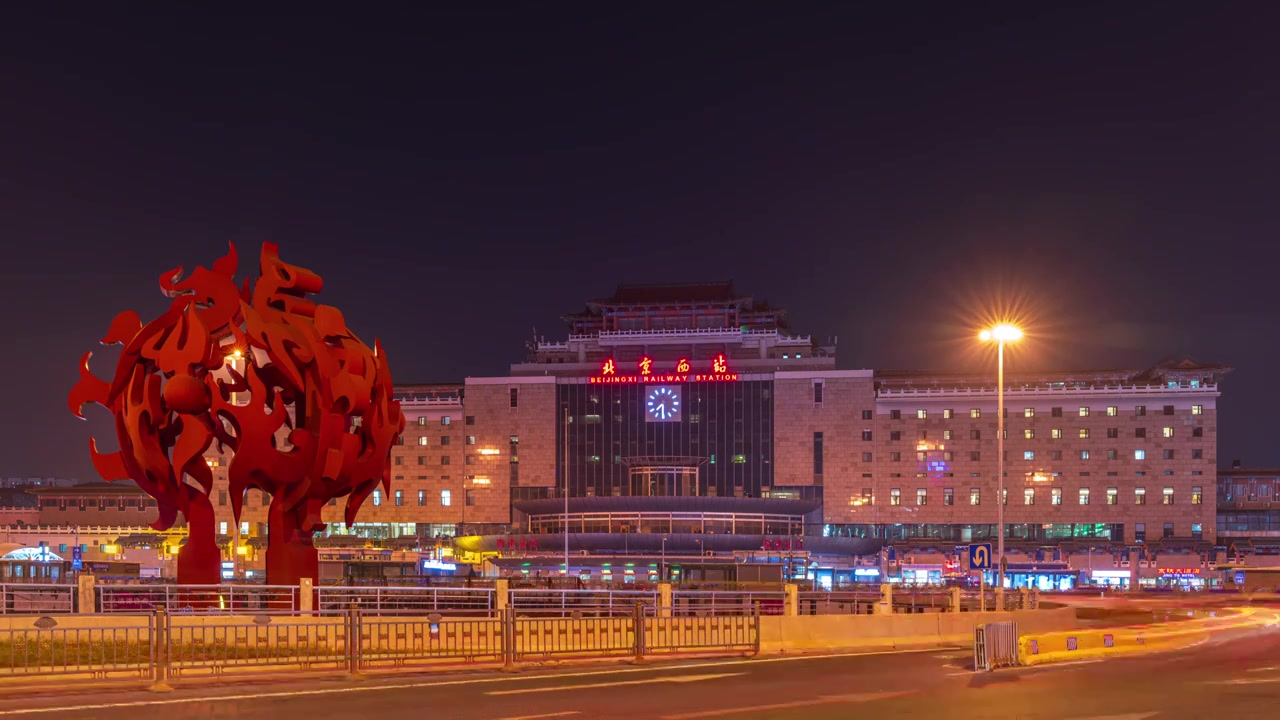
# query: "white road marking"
[[823, 700], [566, 714], [1265, 669], [444, 683], [619, 683], [1244, 681]]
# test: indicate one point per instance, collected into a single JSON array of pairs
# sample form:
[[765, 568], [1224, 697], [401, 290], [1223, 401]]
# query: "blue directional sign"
[[980, 556], [77, 561]]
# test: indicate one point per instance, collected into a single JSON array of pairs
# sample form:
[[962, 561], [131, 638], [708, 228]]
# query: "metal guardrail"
[[723, 602], [29, 598], [995, 645], [452, 601], [197, 598], [161, 646], [113, 647], [590, 603]]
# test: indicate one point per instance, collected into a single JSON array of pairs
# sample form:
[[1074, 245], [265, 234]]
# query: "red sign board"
[[646, 372]]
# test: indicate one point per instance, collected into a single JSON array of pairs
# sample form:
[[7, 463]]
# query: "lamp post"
[[236, 354], [1001, 334]]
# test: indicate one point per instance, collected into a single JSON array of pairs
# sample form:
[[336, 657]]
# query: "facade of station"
[[689, 425]]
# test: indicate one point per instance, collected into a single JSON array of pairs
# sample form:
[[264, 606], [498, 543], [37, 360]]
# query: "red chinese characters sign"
[[648, 371]]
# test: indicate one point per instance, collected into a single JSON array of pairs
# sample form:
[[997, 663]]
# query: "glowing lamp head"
[[1003, 332], [237, 354]]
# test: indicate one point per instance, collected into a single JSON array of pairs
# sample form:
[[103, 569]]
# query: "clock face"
[[662, 404]]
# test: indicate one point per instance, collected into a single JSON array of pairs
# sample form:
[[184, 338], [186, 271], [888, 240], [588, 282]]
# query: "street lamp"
[[1001, 334]]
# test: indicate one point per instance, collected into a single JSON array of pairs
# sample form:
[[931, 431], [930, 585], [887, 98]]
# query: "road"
[[1235, 674]]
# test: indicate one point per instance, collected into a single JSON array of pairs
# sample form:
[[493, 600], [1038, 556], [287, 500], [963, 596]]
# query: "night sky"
[[1108, 173]]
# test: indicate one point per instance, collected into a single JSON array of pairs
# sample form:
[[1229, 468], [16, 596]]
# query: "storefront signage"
[[647, 371], [437, 565]]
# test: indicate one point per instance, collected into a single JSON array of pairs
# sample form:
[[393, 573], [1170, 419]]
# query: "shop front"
[[1047, 577], [1110, 578]]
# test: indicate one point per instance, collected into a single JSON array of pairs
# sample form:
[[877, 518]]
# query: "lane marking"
[[566, 713], [1265, 669], [445, 683], [619, 683], [1244, 681], [824, 700]]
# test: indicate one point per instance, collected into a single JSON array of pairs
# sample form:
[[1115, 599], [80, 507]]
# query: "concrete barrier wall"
[[1050, 647], [833, 632]]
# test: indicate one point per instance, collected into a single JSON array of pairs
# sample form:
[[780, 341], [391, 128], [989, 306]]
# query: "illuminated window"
[[948, 413], [1028, 412], [1084, 454], [975, 496], [922, 456], [422, 420], [1028, 454], [1197, 409], [377, 497], [399, 497], [922, 414], [446, 498], [1197, 495], [1055, 496], [1029, 496], [1084, 496], [946, 434], [422, 497], [975, 413], [1112, 411], [222, 528], [1167, 496], [895, 496], [1056, 433], [1113, 496], [1029, 433], [1139, 454], [922, 496], [1084, 433], [422, 441], [1084, 412], [1140, 496], [445, 420], [948, 496], [1166, 432]]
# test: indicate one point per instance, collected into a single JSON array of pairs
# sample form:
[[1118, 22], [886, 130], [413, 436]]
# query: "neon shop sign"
[[646, 371]]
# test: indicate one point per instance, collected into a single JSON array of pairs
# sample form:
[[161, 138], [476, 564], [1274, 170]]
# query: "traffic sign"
[[980, 556], [77, 561]]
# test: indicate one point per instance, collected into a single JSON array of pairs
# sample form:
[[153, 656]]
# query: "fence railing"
[[161, 646], [27, 598], [177, 599], [727, 602], [453, 601], [588, 603]]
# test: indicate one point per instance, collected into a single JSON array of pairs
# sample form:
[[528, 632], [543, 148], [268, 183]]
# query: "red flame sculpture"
[[318, 424]]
